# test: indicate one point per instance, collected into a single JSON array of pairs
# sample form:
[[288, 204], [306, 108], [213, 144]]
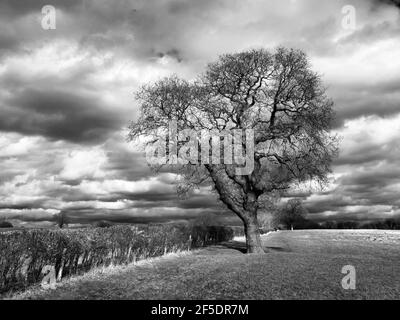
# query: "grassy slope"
[[299, 265]]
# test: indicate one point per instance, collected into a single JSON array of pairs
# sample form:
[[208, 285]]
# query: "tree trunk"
[[252, 232]]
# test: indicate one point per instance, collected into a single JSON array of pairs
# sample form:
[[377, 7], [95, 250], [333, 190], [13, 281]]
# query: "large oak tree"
[[277, 96]]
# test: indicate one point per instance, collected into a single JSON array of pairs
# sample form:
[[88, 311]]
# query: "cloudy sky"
[[67, 95]]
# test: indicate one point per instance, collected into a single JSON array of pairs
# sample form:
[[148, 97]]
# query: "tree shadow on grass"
[[235, 245], [241, 246]]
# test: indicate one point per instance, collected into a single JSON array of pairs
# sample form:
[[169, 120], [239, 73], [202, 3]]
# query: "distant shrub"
[[6, 224], [103, 224], [25, 253]]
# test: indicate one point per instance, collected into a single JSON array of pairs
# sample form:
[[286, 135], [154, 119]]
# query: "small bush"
[[6, 224], [206, 235], [103, 224]]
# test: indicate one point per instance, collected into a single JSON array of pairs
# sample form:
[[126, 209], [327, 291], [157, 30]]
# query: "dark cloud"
[[388, 2], [351, 102], [58, 115], [128, 165], [335, 203], [26, 6], [370, 192]]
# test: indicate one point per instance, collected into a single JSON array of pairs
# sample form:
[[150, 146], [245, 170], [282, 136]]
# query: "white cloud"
[[122, 186], [83, 164], [12, 145]]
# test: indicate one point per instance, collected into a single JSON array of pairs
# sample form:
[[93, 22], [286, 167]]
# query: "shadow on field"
[[235, 245], [241, 247]]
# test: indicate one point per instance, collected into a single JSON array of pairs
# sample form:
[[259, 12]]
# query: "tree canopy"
[[290, 214], [281, 109]]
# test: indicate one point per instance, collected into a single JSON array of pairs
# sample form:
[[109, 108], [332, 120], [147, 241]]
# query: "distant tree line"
[[303, 223], [292, 215], [387, 224]]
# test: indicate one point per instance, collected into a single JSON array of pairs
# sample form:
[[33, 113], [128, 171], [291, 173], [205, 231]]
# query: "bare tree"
[[291, 212], [276, 95], [61, 219]]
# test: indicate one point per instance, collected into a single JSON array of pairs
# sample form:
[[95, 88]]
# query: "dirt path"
[[299, 265]]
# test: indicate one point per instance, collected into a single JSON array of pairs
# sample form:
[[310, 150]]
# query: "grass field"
[[298, 265]]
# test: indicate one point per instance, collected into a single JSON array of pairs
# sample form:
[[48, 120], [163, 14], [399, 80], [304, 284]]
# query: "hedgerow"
[[24, 254]]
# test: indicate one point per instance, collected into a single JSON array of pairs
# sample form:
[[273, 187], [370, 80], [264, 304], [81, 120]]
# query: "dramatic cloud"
[[66, 96]]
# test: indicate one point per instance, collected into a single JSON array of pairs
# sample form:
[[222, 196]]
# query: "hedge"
[[24, 254]]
